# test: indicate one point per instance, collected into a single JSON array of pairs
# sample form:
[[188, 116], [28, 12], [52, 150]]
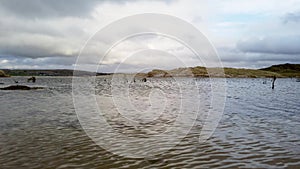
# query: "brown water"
[[260, 128]]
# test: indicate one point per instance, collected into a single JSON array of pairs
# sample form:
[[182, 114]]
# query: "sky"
[[47, 34]]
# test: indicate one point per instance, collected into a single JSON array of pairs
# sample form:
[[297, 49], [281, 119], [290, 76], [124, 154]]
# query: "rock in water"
[[19, 87], [144, 80], [33, 79]]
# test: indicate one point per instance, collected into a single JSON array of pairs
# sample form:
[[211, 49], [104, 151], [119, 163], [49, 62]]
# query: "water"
[[260, 128]]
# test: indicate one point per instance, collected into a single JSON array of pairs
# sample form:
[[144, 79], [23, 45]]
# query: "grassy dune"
[[252, 73], [286, 70], [3, 74]]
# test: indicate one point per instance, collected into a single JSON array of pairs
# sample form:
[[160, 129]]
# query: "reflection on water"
[[260, 128]]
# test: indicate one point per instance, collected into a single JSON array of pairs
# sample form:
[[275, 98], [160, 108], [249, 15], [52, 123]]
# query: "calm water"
[[260, 128]]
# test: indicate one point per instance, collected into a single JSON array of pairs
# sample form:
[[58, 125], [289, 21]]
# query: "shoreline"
[[280, 71], [158, 77]]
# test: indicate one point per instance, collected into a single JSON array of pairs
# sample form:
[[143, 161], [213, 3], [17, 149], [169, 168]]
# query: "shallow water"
[[260, 127]]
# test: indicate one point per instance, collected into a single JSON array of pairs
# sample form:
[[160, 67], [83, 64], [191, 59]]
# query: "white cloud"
[[38, 31]]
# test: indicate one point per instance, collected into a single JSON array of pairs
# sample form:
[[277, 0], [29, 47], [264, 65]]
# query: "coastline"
[[279, 71]]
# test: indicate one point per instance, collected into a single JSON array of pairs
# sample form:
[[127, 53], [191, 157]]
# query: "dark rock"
[[20, 87]]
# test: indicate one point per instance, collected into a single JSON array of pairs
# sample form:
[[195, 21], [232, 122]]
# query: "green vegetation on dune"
[[287, 70], [183, 72], [252, 73], [212, 72]]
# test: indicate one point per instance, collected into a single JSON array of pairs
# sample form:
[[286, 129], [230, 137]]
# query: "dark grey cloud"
[[45, 28], [37, 46], [292, 17], [275, 45], [30, 51], [39, 63], [55, 8], [48, 8], [232, 57]]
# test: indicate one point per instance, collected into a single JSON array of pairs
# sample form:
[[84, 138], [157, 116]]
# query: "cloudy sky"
[[50, 34]]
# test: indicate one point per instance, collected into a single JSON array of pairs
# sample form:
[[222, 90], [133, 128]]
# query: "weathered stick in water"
[[31, 79], [273, 83]]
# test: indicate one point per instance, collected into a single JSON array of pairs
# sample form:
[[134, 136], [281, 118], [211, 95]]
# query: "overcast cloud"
[[49, 34]]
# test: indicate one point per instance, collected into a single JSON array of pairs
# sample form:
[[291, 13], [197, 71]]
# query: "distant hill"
[[52, 72], [287, 70]]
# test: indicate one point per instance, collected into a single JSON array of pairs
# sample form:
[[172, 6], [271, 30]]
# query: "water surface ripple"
[[260, 128]]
